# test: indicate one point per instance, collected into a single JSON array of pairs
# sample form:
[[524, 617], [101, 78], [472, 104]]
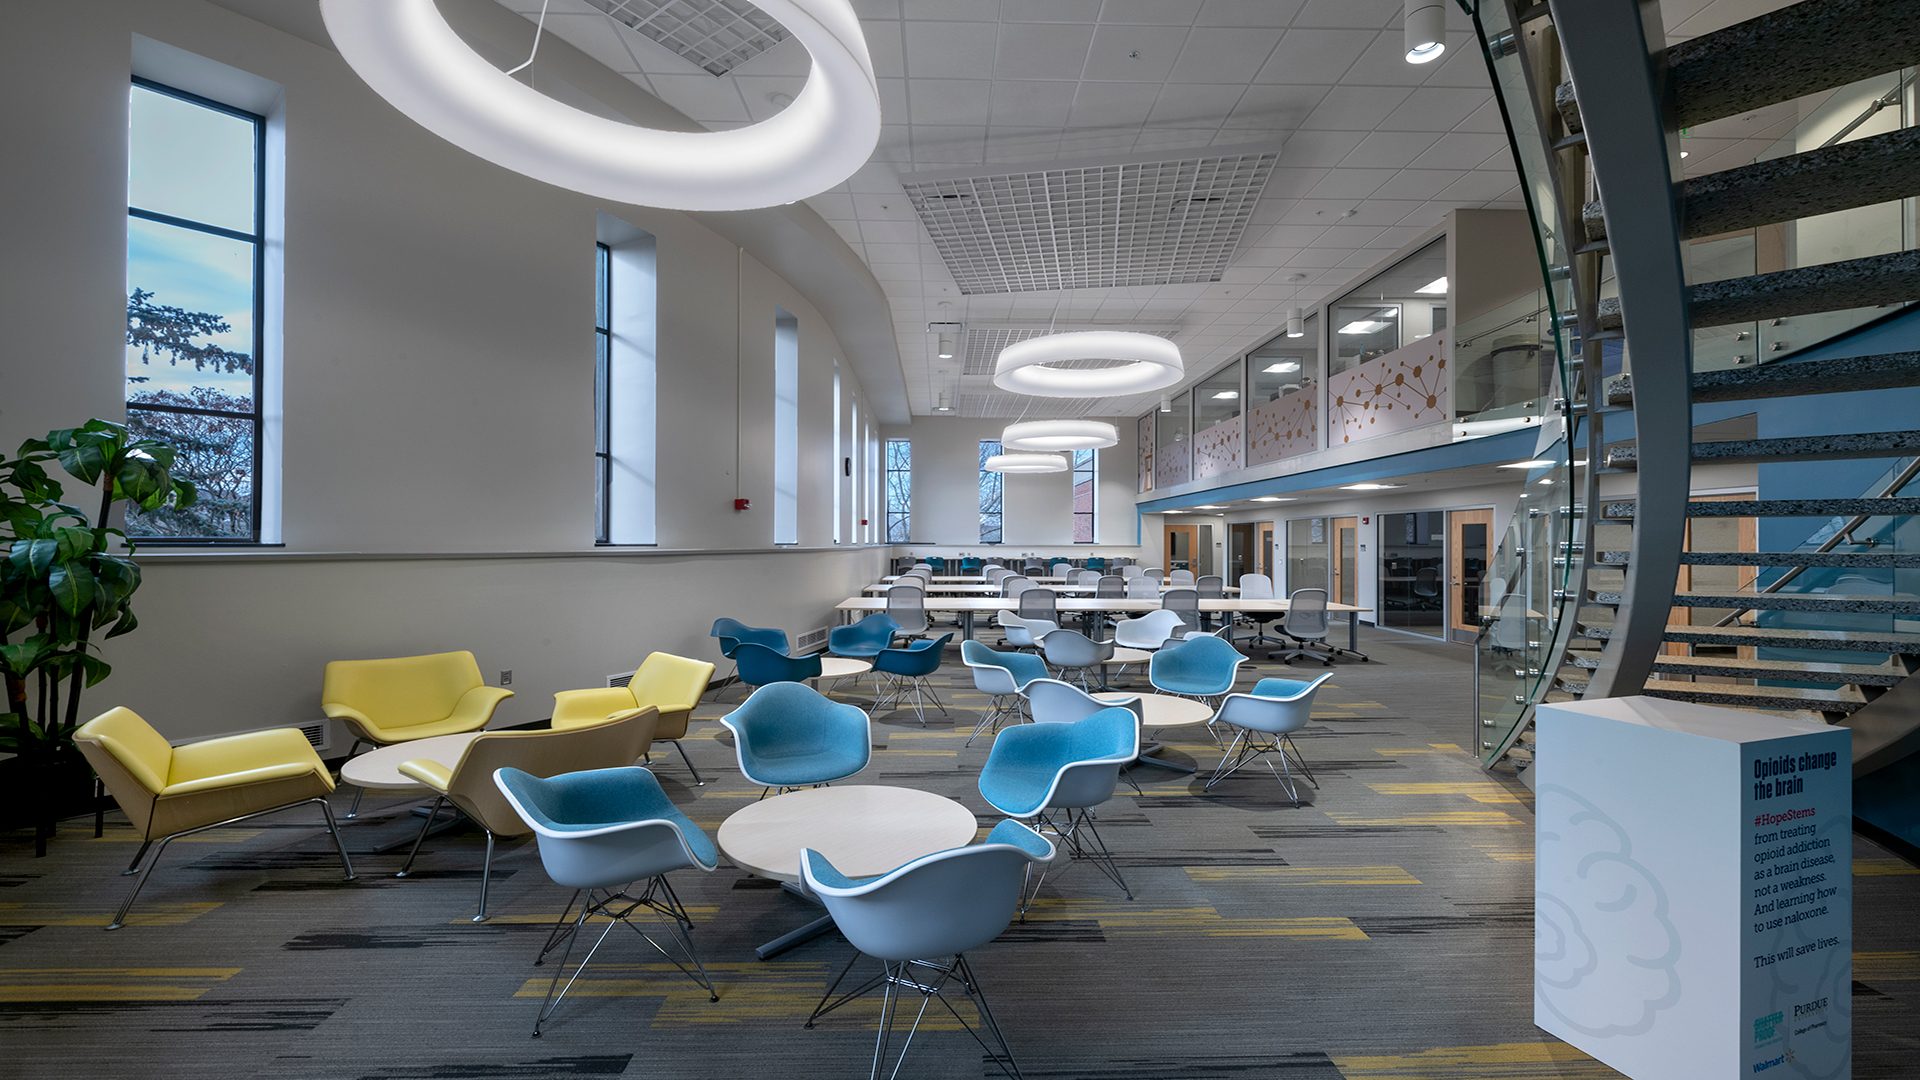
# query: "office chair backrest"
[[1040, 603], [1015, 584], [1426, 582], [1155, 573], [1256, 587], [907, 604], [1184, 603], [1034, 569], [1087, 578], [1210, 587], [1142, 587], [1180, 577], [1306, 614], [1112, 585], [1510, 630], [1129, 571]]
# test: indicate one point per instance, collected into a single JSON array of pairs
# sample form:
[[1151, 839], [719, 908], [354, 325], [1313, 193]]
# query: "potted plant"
[[66, 583]]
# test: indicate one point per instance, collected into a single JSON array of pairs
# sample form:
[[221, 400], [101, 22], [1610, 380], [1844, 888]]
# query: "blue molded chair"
[[863, 640], [920, 920], [1005, 675], [731, 632], [759, 665], [601, 831], [789, 735], [1055, 774], [1202, 667], [1264, 722], [909, 668]]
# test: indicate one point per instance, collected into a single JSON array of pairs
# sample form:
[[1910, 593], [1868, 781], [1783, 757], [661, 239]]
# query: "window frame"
[[602, 393], [904, 515], [1092, 513], [258, 239], [998, 483]]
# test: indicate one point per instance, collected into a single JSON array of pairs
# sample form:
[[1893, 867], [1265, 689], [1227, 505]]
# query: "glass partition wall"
[[1413, 569], [1172, 457], [1216, 422], [1283, 395]]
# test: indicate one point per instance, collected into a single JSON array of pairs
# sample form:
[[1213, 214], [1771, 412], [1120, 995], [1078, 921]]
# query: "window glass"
[[786, 428], [1394, 308], [188, 161], [1086, 494], [1307, 551], [1283, 382], [1216, 422], [1172, 460], [991, 490], [899, 490], [626, 303]]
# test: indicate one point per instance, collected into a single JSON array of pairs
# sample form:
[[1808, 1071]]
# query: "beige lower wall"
[[230, 645]]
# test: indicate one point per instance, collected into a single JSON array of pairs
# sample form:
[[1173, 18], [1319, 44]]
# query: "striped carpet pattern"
[[1380, 931]]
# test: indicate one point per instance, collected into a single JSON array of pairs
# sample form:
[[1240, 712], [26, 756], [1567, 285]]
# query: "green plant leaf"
[[22, 657], [96, 669], [72, 587], [185, 494], [85, 460], [72, 542], [126, 625]]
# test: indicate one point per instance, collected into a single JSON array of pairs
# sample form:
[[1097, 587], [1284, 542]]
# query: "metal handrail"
[[1844, 535]]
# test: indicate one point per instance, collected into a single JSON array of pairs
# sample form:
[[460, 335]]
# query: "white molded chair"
[[1149, 631]]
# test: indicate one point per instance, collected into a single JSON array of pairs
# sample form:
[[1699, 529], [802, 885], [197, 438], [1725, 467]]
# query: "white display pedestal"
[[1693, 883]]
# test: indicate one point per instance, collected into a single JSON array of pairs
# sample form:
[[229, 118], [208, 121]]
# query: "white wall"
[[438, 388], [1037, 508]]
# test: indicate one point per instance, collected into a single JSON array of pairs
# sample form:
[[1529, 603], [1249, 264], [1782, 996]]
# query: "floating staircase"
[[1747, 659]]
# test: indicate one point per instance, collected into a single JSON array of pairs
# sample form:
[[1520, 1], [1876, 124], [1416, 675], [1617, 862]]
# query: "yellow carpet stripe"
[[1478, 791], [19, 985], [1442, 817], [1504, 1061], [155, 914], [1303, 875]]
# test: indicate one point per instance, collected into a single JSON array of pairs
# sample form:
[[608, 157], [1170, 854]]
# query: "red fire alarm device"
[[741, 504], [863, 521], [1366, 521]]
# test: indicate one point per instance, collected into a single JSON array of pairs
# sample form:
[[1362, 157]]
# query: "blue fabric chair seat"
[[1280, 688], [865, 639], [1020, 775], [788, 734]]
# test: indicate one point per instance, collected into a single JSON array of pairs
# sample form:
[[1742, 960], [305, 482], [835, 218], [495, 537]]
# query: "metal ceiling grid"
[[716, 35]]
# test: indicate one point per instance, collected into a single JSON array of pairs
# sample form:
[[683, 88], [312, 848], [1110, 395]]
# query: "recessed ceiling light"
[[1226, 395], [1209, 506], [1282, 367], [1369, 487], [1546, 480], [1363, 326], [1683, 154], [1273, 498], [1436, 287], [1536, 463]]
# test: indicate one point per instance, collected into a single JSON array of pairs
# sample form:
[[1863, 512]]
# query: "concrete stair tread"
[[1843, 699], [1793, 448], [1786, 54], [1892, 278], [1879, 371], [1779, 637], [1625, 509], [1853, 559], [1884, 674]]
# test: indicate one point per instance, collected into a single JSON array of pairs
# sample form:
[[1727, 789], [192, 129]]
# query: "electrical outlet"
[[506, 677]]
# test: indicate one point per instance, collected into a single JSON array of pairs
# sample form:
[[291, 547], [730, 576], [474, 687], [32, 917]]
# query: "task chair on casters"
[[1256, 587], [669, 683], [907, 606], [1005, 675], [171, 791], [403, 698], [601, 831], [1264, 722], [920, 920], [1055, 774], [1306, 625]]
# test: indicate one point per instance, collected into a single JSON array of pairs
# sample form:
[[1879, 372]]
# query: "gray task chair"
[[1072, 652], [1110, 586], [1184, 603], [907, 604], [1306, 625], [1140, 587], [1180, 577], [1263, 723], [1211, 587], [1014, 584], [1061, 569], [1256, 587], [1129, 571], [1040, 603]]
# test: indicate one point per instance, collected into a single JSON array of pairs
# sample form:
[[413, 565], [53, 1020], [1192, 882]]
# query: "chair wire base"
[[1250, 746], [915, 687], [326, 808], [1009, 708], [929, 979], [618, 908], [1082, 841]]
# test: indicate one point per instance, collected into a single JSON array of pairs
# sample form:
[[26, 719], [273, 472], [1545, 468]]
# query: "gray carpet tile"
[[1382, 930]]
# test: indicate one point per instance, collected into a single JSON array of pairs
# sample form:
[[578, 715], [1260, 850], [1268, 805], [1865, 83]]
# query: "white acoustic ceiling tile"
[[1169, 12], [1247, 12], [1266, 257], [1418, 183], [1476, 187], [1049, 11], [1388, 150], [1436, 108], [876, 9], [787, 58], [714, 35], [597, 36], [949, 50], [1031, 104], [1223, 55], [766, 95], [948, 101], [1294, 235], [1094, 227], [1486, 119], [702, 97], [949, 144], [1460, 150], [1463, 64], [833, 206], [1356, 108], [1317, 258], [1006, 145], [1197, 104], [1372, 14], [1315, 57], [1099, 105], [875, 177], [976, 10], [892, 253], [886, 47], [1349, 184], [1427, 215], [1275, 107], [894, 108], [1042, 50], [1161, 139], [1349, 236], [895, 207], [1321, 148], [1399, 236], [890, 232], [848, 230], [896, 144], [1134, 53]]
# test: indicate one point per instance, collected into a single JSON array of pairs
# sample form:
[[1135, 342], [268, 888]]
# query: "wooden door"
[[1263, 549], [1714, 534], [1346, 560], [1469, 553], [1240, 554], [1182, 547]]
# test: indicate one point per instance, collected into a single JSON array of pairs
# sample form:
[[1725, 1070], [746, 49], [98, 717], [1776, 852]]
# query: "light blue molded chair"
[[1203, 667], [920, 920], [789, 735], [1055, 774], [601, 831], [758, 665], [909, 668], [1264, 722], [1074, 653], [1005, 675]]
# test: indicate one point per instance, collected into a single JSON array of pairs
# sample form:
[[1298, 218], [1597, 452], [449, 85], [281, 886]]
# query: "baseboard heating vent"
[[811, 640], [319, 734], [621, 679]]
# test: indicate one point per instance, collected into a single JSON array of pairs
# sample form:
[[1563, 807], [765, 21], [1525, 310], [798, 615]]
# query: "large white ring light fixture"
[[1059, 435], [407, 53], [1026, 463], [1153, 363]]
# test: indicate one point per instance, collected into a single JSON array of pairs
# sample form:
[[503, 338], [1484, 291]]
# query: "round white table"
[[862, 829], [379, 769], [1163, 711], [840, 667]]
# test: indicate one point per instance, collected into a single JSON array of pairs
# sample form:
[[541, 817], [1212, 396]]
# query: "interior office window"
[[1173, 447], [786, 428], [1283, 406], [836, 478], [1217, 427], [899, 490], [626, 365], [991, 490], [1307, 554], [1086, 495], [195, 297]]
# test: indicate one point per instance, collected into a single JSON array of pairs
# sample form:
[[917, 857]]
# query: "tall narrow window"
[[836, 479], [1086, 496], [990, 494], [625, 384], [786, 428], [899, 490], [195, 304], [854, 472]]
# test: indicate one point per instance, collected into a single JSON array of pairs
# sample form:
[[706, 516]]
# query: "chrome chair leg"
[[134, 866], [353, 811], [432, 813], [486, 878], [333, 827], [698, 781], [560, 932], [120, 917]]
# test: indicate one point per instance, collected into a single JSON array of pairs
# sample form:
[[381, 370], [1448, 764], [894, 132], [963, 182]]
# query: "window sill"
[[279, 553]]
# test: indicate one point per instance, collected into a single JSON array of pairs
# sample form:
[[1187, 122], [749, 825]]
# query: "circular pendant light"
[[1148, 363], [1026, 463], [407, 53], [1059, 435]]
